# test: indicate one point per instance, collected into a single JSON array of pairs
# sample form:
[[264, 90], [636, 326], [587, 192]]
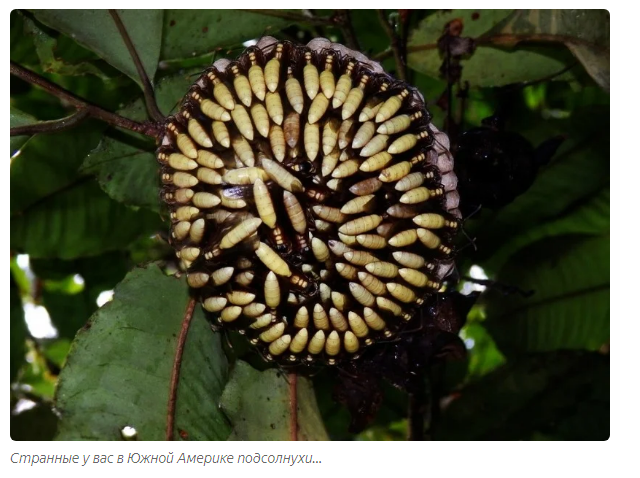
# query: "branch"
[[342, 18], [94, 111], [175, 371], [61, 124], [149, 97], [401, 66], [293, 403], [502, 39]]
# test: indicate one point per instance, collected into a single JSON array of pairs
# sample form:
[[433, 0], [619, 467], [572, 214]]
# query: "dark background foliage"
[[84, 213]]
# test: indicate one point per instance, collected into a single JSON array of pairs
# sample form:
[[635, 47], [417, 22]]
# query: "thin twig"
[[51, 126], [401, 67], [342, 18], [147, 128], [293, 403], [175, 371], [147, 88]]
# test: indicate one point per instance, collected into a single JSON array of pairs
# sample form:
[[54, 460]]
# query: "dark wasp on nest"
[[313, 204]]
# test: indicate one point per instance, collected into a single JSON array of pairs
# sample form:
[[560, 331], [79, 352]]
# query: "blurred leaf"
[[18, 118], [497, 29], [570, 306], [96, 30], [190, 33], [562, 395], [53, 159], [37, 375], [77, 222], [589, 218], [484, 356], [258, 406], [595, 61], [17, 331], [35, 424], [22, 49], [70, 310], [124, 162], [119, 368], [578, 172]]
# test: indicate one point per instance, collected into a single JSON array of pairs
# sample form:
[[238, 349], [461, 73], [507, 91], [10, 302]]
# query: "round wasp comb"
[[313, 204]]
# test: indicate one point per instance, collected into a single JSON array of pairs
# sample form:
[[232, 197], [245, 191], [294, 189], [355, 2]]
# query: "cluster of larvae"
[[313, 205]]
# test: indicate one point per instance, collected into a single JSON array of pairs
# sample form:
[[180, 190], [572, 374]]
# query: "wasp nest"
[[312, 203]]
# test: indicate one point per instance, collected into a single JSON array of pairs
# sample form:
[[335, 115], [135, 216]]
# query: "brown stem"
[[149, 97], [401, 67], [293, 403], [342, 18], [147, 128], [61, 124], [175, 371]]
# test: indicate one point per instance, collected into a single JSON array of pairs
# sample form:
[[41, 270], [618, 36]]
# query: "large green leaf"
[[96, 30], [119, 368], [80, 221], [17, 330], [258, 406], [124, 162], [584, 32], [495, 30], [562, 396], [190, 33], [570, 305]]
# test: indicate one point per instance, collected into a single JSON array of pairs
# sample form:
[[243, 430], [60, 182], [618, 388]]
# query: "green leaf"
[[19, 118], [584, 32], [70, 309], [22, 49], [590, 218], [49, 163], [59, 54], [578, 172], [124, 163], [562, 395], [80, 221], [258, 406], [118, 371], [17, 330], [96, 30], [570, 306], [495, 30], [190, 33]]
